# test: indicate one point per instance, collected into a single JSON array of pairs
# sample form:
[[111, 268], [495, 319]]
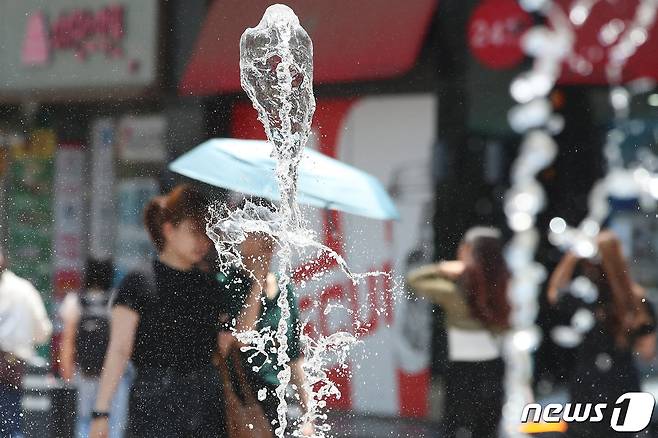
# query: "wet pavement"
[[348, 424]]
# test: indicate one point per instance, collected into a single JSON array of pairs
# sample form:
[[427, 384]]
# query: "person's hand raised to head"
[[257, 250], [450, 269]]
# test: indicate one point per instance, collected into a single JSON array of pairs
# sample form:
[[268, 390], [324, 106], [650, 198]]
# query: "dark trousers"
[[474, 398], [10, 411], [164, 403]]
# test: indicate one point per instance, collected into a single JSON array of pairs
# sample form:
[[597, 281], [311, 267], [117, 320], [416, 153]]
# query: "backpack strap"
[[149, 278]]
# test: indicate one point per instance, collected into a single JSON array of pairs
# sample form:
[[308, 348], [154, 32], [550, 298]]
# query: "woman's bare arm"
[[561, 276], [122, 338], [70, 312], [257, 263], [645, 347], [419, 275], [298, 378], [250, 313], [67, 353], [429, 282]]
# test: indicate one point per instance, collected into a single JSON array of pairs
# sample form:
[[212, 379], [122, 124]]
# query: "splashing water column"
[[533, 117], [276, 72]]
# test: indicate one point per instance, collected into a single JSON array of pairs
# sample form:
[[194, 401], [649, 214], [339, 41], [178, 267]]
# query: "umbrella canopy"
[[246, 166]]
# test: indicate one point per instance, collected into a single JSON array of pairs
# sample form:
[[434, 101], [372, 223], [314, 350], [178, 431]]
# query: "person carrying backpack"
[[85, 337]]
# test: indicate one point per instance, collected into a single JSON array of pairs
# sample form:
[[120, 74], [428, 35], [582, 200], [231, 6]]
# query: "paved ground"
[[48, 413], [351, 425]]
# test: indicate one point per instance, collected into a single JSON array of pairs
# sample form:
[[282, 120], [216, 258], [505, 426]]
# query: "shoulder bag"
[[245, 417]]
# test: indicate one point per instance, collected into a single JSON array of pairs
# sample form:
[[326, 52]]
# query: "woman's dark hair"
[[183, 202], [486, 277], [99, 274], [620, 296]]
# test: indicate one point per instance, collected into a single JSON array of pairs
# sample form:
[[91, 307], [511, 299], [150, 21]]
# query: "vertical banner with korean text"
[[68, 235], [102, 197], [134, 250], [69, 213], [142, 152]]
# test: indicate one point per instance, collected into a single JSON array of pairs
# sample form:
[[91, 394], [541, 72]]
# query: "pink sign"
[[36, 47], [79, 30]]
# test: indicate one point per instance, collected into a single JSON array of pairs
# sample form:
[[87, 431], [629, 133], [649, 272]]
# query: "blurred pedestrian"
[[252, 295], [85, 336], [473, 292], [167, 320], [597, 299], [23, 323]]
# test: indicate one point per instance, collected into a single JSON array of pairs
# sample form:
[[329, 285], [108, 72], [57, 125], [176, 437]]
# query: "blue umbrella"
[[246, 166]]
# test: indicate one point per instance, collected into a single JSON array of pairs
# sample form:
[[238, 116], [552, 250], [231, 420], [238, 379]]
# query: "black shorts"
[[474, 398], [164, 403]]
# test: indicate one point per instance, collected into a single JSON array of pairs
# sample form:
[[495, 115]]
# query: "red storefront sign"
[[494, 33]]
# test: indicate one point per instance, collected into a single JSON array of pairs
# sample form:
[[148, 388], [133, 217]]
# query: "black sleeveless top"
[[178, 317]]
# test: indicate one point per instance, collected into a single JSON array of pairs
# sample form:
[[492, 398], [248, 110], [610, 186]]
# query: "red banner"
[[599, 34], [496, 28]]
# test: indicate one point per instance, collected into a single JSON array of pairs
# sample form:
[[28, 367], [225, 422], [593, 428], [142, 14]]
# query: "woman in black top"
[[166, 320], [616, 322]]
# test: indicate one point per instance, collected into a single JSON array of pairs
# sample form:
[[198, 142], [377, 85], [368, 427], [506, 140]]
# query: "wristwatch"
[[98, 414]]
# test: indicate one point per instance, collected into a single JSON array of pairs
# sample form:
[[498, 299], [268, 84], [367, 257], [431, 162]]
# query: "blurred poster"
[[639, 235], [29, 209], [134, 249], [390, 137], [102, 200], [69, 210], [141, 139], [637, 228]]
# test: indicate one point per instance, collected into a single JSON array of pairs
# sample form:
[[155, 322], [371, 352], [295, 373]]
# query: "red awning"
[[596, 36], [352, 40]]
